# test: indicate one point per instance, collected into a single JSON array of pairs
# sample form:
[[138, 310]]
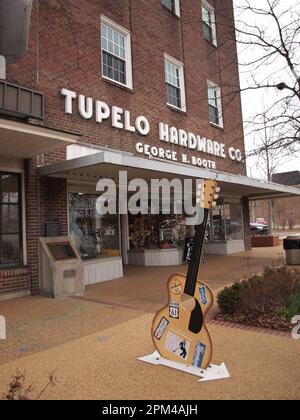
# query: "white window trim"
[[180, 66], [177, 8], [220, 106], [128, 58], [214, 26], [23, 205]]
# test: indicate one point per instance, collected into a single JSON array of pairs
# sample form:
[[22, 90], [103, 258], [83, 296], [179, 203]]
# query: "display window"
[[158, 232], [226, 221], [96, 236]]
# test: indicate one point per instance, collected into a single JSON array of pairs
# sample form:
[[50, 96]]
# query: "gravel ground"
[[93, 343]]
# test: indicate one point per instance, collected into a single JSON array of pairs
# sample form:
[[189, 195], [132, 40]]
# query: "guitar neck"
[[194, 264]]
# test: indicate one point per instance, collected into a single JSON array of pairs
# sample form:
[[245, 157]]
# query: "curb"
[[249, 328]]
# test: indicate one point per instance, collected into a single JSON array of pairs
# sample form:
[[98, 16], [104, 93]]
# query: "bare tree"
[[267, 159], [269, 33]]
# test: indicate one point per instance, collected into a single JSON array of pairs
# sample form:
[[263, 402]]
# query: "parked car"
[[261, 221], [259, 229]]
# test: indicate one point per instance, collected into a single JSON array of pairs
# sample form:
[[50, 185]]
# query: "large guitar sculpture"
[[179, 332]]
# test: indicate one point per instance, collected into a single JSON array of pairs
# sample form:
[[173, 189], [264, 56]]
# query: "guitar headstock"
[[208, 194]]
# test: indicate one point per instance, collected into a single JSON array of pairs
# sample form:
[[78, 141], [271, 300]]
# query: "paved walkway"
[[93, 343]]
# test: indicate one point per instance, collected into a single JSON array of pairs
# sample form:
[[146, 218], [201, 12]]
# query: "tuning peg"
[[213, 204], [216, 196], [198, 201], [218, 189]]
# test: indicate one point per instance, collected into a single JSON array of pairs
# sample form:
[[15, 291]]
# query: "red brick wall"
[[64, 52], [46, 200], [32, 195], [17, 280]]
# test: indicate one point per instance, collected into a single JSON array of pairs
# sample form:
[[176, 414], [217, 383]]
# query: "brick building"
[[106, 86], [286, 210]]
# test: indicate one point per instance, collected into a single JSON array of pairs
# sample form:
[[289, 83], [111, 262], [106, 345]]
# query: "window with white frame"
[[174, 77], [172, 5], [116, 53], [11, 242], [215, 104], [209, 23]]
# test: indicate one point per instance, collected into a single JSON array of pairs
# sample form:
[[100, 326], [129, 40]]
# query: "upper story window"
[[174, 77], [116, 53], [209, 23], [215, 104], [172, 5], [10, 220]]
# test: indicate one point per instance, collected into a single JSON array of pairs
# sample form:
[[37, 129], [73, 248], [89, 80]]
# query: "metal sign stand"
[[213, 373]]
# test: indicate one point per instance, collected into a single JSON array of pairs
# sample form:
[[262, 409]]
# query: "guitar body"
[[178, 331]]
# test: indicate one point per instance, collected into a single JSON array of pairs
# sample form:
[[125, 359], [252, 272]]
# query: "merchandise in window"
[[226, 222], [95, 236], [158, 232]]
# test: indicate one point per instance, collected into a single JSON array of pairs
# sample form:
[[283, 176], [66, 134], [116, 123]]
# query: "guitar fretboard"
[[193, 270]]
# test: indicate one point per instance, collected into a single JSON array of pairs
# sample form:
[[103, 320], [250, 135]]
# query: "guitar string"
[[191, 271], [196, 255], [202, 229], [199, 253]]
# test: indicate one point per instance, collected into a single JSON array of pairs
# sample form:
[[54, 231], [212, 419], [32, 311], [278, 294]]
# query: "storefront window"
[[96, 236], [10, 220], [226, 221], [158, 232]]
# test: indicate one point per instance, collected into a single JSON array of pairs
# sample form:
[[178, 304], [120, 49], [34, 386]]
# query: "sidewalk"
[[105, 366], [93, 342]]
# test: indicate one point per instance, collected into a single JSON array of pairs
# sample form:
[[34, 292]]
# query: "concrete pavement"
[[93, 343], [105, 366]]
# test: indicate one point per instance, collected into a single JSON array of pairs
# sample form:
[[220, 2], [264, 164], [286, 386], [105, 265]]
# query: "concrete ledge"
[[102, 270], [156, 257], [15, 295]]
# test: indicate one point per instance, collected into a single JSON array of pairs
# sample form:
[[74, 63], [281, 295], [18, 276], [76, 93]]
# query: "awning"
[[107, 164], [21, 140]]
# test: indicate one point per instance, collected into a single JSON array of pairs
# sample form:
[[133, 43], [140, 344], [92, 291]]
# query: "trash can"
[[292, 249]]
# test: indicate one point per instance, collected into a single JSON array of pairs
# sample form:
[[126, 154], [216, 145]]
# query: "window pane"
[[10, 219], [169, 4], [214, 116], [110, 34], [114, 68], [213, 96], [10, 249], [206, 16], [10, 236], [233, 221], [173, 96], [9, 188], [172, 74], [96, 236], [113, 41], [207, 32]]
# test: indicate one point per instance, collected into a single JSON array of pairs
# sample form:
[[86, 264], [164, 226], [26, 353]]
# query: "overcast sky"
[[256, 99]]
